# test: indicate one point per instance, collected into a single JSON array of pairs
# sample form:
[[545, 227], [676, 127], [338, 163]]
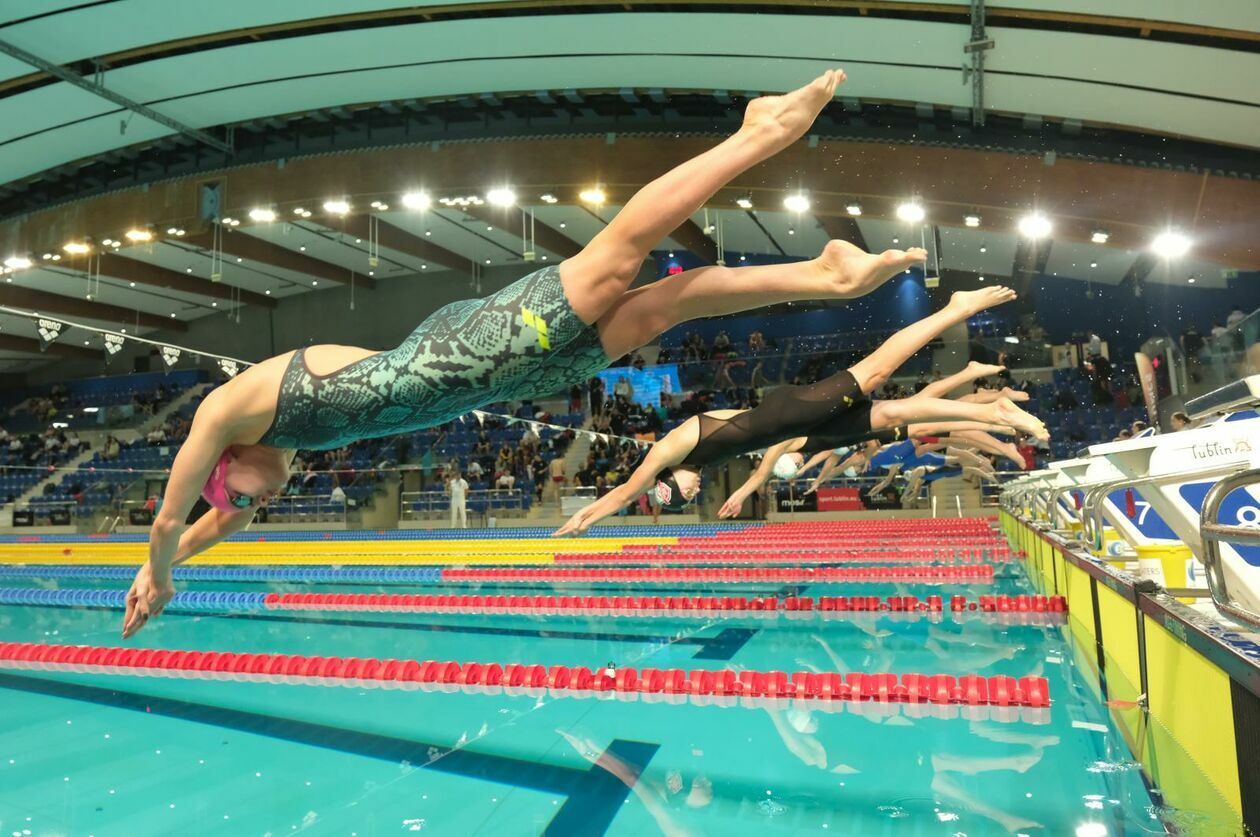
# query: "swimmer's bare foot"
[[983, 370], [967, 303], [967, 457], [1005, 412], [1012, 453], [1014, 394], [782, 120], [848, 271]]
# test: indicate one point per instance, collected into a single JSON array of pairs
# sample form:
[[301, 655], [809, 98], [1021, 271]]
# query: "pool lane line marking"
[[592, 800]]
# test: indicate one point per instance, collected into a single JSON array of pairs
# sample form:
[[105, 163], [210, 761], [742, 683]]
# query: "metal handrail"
[[1213, 532]]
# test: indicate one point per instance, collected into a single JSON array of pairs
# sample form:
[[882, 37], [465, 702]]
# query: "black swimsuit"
[[832, 413]]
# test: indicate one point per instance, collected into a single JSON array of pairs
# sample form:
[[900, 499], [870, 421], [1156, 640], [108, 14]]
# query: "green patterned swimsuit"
[[523, 342]]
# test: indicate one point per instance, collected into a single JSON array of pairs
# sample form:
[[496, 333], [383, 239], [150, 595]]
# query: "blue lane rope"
[[299, 575]]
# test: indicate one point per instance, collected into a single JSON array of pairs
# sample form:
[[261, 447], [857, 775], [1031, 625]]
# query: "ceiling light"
[[267, 292], [462, 201], [911, 212], [1035, 225], [115, 245], [371, 273], [981, 278], [314, 282], [337, 207], [303, 248], [262, 215], [214, 305], [1190, 280], [671, 255], [428, 232], [188, 270], [896, 241], [47, 256], [972, 220], [595, 195], [239, 260], [1093, 264], [984, 248], [1171, 244], [549, 198], [487, 261], [76, 248], [378, 205], [744, 203], [297, 210], [489, 228], [1099, 236], [796, 203], [133, 284], [172, 316], [503, 196], [17, 262], [854, 209], [424, 267], [139, 235], [169, 231], [358, 241], [417, 200], [228, 222], [791, 231], [563, 225]]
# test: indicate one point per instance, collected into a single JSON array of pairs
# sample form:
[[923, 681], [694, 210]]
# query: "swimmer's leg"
[[595, 278], [885, 414], [872, 371], [887, 480], [843, 271]]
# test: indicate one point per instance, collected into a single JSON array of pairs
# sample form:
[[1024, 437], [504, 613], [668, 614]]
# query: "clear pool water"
[[104, 755]]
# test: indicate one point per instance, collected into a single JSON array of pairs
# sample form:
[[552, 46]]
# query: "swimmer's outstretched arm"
[[758, 477], [815, 460], [834, 464], [153, 587], [666, 453]]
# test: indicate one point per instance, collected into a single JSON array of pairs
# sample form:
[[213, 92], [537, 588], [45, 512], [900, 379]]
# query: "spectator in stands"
[[72, 442], [1219, 332], [595, 388], [623, 389], [1192, 344], [338, 495], [664, 355], [721, 343], [756, 343], [1094, 347], [557, 473], [457, 488], [112, 449], [156, 436], [1137, 427], [575, 398], [638, 361], [1179, 421], [1235, 317]]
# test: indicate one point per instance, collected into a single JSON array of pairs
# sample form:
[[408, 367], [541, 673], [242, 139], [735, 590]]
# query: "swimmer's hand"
[[148, 596], [813, 486], [733, 505], [577, 525]]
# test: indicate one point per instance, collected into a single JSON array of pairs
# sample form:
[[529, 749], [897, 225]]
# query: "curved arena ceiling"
[[1172, 81]]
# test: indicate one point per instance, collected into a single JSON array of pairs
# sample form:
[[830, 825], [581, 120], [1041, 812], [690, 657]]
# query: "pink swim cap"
[[215, 492]]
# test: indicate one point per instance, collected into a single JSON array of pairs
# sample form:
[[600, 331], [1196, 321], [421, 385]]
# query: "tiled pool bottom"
[[110, 754]]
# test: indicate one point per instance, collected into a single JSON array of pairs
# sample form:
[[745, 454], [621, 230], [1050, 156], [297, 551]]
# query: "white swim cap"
[[786, 466], [850, 471]]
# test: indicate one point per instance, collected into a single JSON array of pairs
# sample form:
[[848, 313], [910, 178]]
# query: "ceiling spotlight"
[[139, 235], [1190, 280], [227, 222], [424, 267], [972, 220], [133, 284], [1099, 236], [796, 203], [595, 195], [791, 231], [671, 255], [337, 207], [214, 305], [306, 213], [262, 215], [302, 248], [169, 231], [17, 262], [984, 248], [428, 233], [911, 212], [563, 225], [549, 198], [744, 203], [487, 261], [314, 282], [1171, 245], [854, 209], [75, 248], [297, 210], [1093, 264], [115, 244], [417, 200], [179, 232], [503, 196], [462, 201], [378, 205], [267, 292], [108, 242], [1035, 225], [47, 256]]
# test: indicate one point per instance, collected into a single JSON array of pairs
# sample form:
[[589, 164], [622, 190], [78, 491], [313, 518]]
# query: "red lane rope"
[[661, 605], [963, 573], [970, 689]]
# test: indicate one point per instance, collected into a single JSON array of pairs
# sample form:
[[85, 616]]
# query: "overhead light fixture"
[[462, 201], [1171, 244], [854, 209], [108, 242], [1190, 279], [594, 195], [262, 215], [379, 205], [75, 248], [972, 220], [1035, 225], [228, 222], [139, 235], [911, 212], [791, 231], [47, 256], [417, 200], [1099, 236], [17, 262], [502, 196], [267, 292], [744, 203], [796, 203], [1093, 264], [337, 207], [549, 198], [984, 248], [297, 210]]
